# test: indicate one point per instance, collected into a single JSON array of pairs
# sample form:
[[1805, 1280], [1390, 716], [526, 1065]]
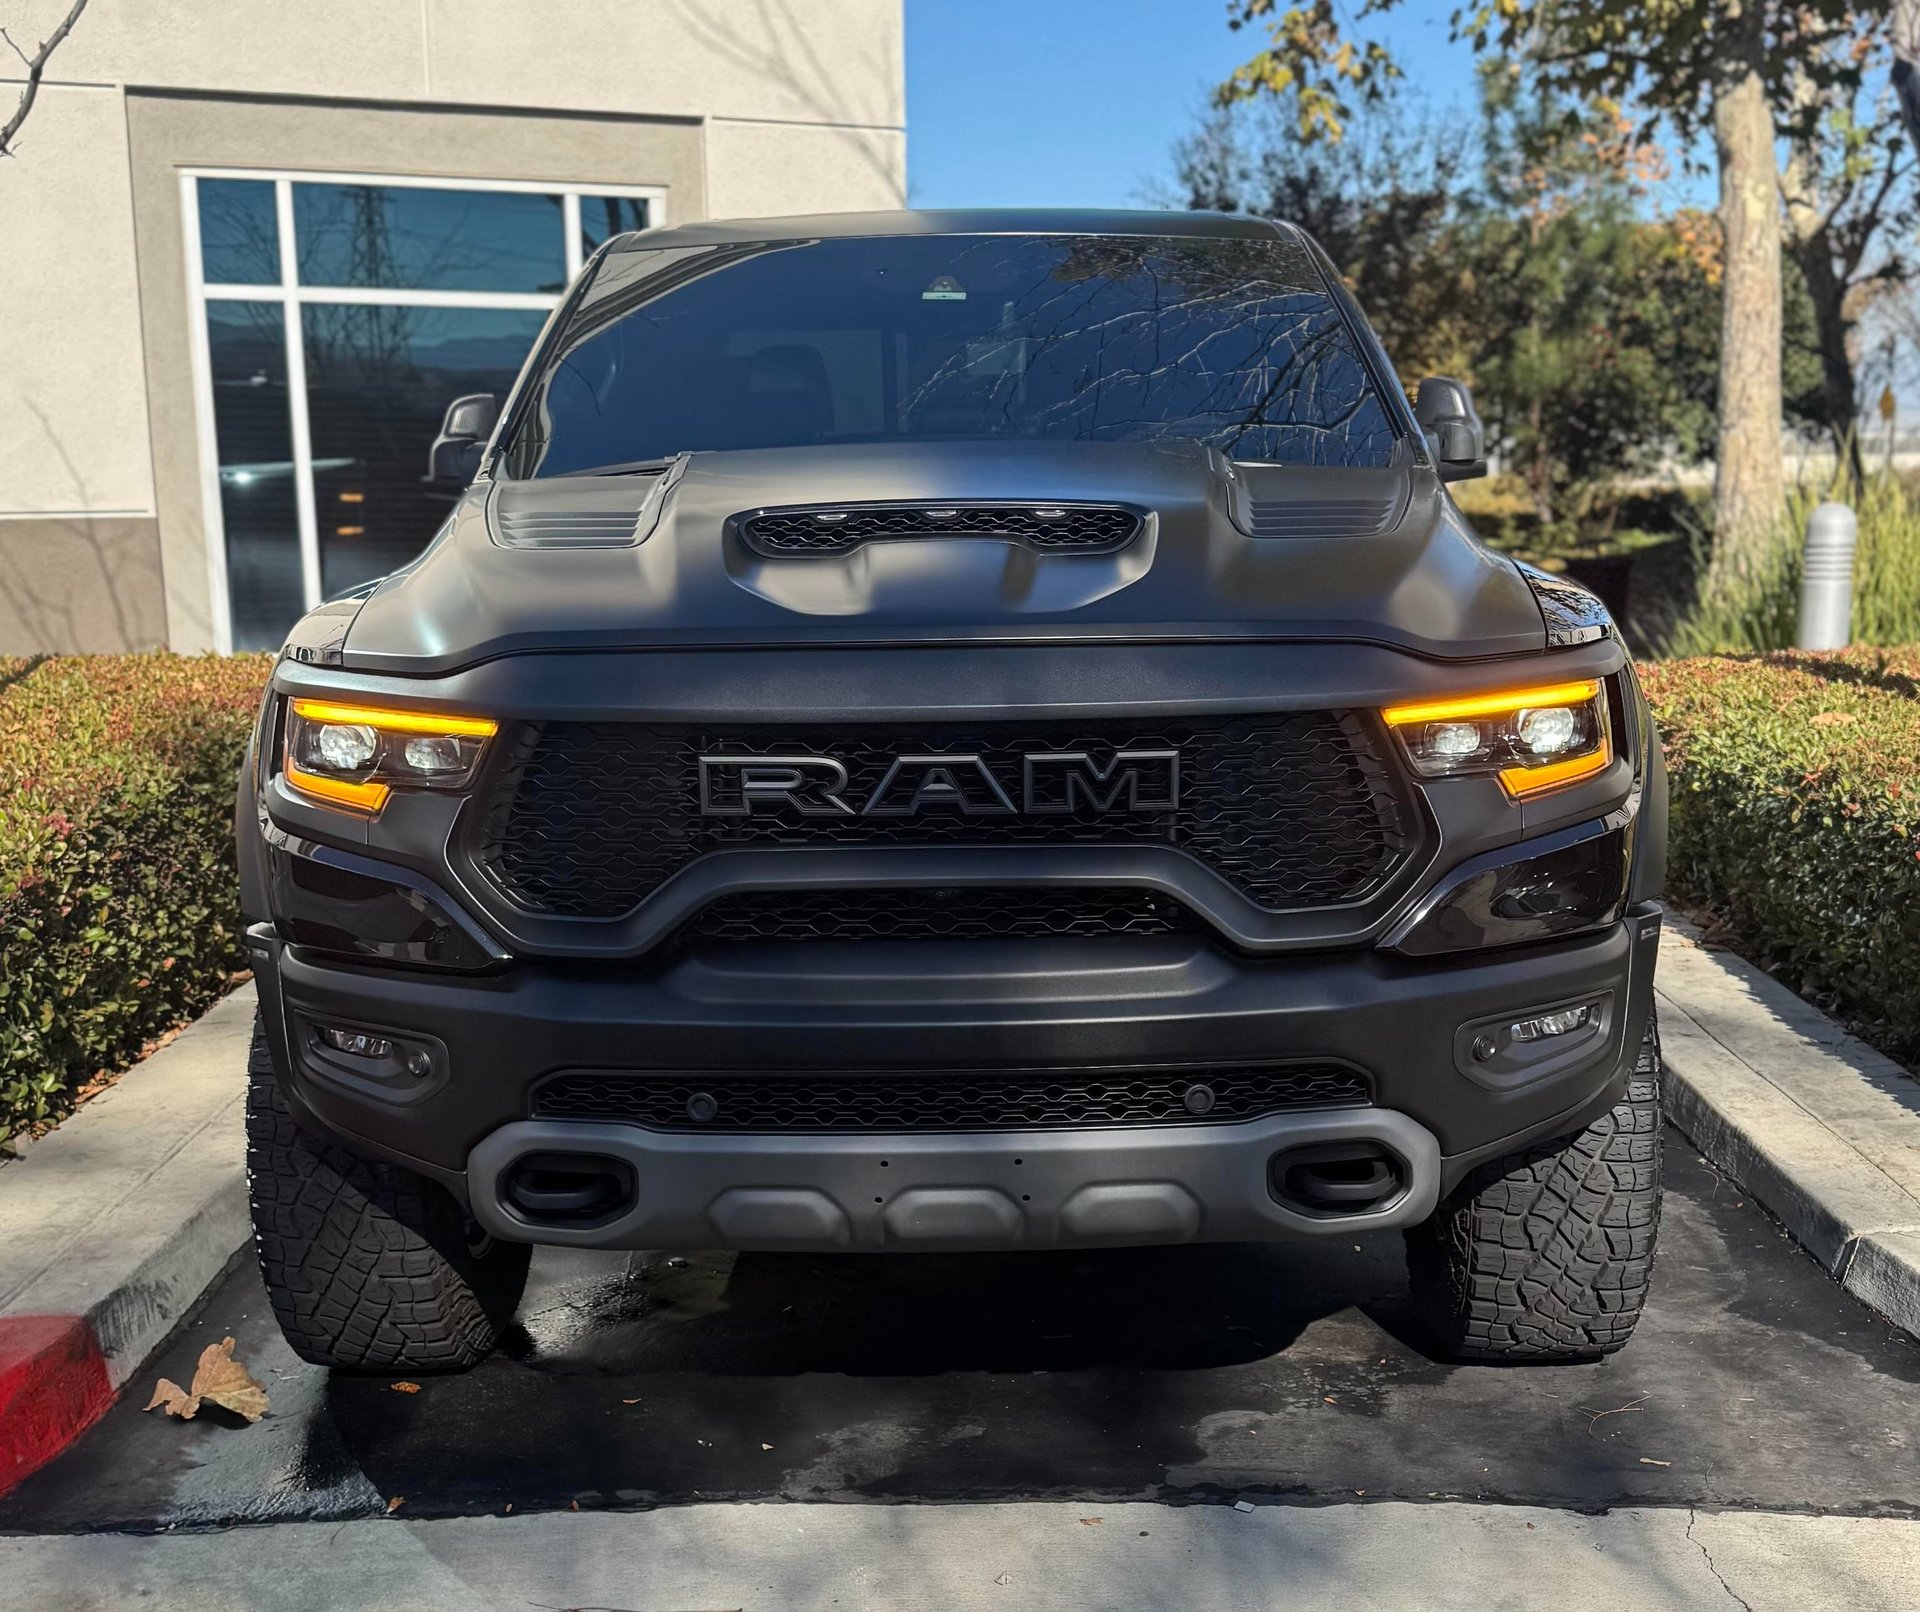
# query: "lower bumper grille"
[[940, 914], [990, 1100]]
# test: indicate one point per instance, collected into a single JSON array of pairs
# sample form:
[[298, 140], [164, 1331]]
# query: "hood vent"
[[567, 528], [828, 529], [1324, 517], [605, 512]]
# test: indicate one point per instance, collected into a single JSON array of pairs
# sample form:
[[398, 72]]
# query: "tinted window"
[[378, 381], [603, 217], [247, 346], [1232, 342], [239, 232], [405, 236]]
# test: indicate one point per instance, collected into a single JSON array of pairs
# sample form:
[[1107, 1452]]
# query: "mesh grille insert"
[[1032, 1099], [1298, 811], [935, 914], [836, 529]]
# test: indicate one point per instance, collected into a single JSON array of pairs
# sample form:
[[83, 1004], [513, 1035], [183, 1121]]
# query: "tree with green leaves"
[[1384, 205], [1740, 70], [1851, 202], [1515, 257], [1592, 352]]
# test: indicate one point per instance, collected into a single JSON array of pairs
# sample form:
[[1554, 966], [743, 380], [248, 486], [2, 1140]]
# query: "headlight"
[[357, 755], [1534, 739]]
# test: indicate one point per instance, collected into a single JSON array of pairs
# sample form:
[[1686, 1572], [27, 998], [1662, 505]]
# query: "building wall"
[[737, 107]]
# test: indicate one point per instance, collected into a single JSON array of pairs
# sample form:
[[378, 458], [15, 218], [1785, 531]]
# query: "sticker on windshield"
[[944, 289]]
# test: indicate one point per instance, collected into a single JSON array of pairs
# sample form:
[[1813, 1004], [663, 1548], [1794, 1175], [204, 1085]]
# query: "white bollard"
[[1826, 579]]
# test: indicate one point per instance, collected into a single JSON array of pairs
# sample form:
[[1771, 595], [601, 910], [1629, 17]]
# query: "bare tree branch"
[[36, 65], [1906, 65]]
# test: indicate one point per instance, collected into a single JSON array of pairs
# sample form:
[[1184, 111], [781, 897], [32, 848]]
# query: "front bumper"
[[1011, 1189], [960, 1005]]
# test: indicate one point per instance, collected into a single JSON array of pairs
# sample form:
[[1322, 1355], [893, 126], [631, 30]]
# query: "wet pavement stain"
[[1182, 1374]]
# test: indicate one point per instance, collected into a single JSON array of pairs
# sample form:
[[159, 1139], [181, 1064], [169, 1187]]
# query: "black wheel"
[[369, 1266], [1546, 1254]]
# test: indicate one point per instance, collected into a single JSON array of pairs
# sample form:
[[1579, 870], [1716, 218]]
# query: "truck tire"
[[1546, 1253], [368, 1266]]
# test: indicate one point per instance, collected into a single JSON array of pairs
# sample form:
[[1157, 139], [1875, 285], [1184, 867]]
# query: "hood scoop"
[[1317, 502], [1320, 517], [576, 528], [805, 530], [597, 512]]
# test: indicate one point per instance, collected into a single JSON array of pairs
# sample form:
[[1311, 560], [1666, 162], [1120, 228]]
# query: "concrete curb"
[[112, 1226], [1820, 1128]]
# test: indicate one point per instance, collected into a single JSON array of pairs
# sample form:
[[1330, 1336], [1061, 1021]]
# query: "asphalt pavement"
[[1288, 1373]]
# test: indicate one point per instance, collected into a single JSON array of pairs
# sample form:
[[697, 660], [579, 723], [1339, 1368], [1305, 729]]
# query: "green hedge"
[[1796, 819], [118, 907]]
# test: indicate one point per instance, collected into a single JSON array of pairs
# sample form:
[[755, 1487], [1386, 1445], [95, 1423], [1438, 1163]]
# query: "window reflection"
[[378, 377], [254, 442], [379, 380], [239, 232], [402, 236], [603, 217]]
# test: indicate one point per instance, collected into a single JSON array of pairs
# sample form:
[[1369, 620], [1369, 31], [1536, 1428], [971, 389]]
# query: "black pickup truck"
[[934, 731]]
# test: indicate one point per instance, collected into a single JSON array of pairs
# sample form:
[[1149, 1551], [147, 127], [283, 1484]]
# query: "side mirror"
[[469, 421], [1454, 434]]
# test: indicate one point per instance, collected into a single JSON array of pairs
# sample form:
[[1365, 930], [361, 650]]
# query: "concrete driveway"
[[1286, 1377]]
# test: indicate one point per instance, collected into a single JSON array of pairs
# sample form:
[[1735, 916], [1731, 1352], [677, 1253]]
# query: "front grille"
[[990, 1100], [1297, 811], [834, 529], [939, 914]]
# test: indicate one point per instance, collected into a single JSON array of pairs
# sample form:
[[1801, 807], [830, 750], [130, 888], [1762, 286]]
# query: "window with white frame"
[[335, 317]]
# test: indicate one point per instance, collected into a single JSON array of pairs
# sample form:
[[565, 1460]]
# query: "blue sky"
[[1079, 102]]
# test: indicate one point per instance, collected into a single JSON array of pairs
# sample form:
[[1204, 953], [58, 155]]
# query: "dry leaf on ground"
[[220, 1380]]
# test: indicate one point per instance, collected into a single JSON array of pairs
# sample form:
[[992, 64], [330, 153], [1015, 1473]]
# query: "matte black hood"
[[1409, 575]]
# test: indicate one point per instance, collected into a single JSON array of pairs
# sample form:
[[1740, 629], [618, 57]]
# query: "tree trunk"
[[1539, 475], [1748, 484], [1835, 331]]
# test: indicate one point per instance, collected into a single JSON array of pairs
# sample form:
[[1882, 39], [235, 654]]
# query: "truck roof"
[[967, 221]]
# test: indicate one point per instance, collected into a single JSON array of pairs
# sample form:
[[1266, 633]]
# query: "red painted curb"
[[53, 1387]]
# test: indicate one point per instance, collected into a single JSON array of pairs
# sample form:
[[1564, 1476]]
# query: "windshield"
[[1232, 342]]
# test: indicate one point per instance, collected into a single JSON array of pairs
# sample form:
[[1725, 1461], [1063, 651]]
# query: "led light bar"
[[1531, 739], [355, 756]]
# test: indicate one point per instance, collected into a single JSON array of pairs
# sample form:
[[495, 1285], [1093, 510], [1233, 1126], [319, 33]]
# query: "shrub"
[[118, 903], [1796, 818], [1761, 609]]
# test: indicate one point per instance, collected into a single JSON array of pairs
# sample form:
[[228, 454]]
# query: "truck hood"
[[1378, 556]]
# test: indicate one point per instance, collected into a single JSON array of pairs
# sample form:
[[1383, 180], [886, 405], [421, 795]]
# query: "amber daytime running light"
[[357, 755], [1533, 739]]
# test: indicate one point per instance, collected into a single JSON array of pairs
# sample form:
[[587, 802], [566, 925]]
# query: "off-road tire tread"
[[1547, 1253], [367, 1264]]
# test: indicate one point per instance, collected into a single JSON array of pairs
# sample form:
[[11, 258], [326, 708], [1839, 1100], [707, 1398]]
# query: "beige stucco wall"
[[759, 170], [810, 61], [73, 414], [736, 106]]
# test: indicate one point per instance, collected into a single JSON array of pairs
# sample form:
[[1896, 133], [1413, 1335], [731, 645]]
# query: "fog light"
[[357, 1042], [1546, 1025]]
